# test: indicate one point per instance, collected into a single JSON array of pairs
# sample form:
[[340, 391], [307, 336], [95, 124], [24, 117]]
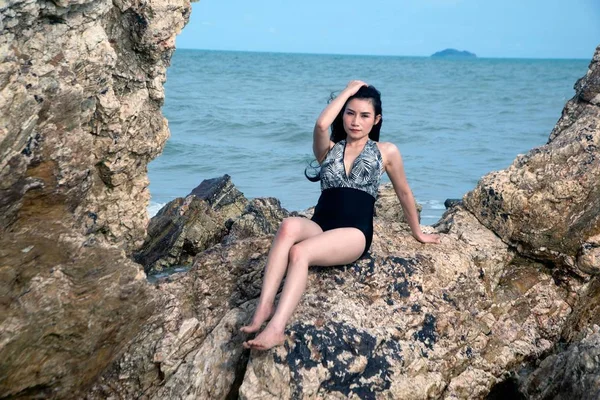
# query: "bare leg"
[[334, 247], [291, 231]]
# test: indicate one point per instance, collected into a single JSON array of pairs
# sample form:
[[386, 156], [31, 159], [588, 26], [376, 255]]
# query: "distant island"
[[452, 53]]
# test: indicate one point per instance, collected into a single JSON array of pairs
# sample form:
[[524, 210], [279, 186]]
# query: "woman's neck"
[[356, 142]]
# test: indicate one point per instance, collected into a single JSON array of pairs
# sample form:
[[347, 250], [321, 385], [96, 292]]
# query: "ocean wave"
[[154, 208]]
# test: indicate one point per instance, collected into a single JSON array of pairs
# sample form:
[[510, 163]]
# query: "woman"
[[341, 229]]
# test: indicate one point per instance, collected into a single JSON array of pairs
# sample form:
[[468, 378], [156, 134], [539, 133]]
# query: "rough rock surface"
[[408, 321], [186, 226], [81, 86], [547, 203], [262, 216], [66, 310], [388, 207], [572, 373]]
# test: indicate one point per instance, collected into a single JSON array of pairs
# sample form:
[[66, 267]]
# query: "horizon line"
[[383, 55]]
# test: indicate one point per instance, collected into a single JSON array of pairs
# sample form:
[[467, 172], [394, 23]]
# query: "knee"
[[297, 255], [289, 228]]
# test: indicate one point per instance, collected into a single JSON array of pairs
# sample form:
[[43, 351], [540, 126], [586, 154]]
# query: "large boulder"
[[388, 206], [81, 87], [547, 203], [407, 321]]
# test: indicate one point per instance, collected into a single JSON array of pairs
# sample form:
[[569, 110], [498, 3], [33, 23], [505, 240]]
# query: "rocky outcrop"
[[81, 87], [67, 309], [407, 321], [187, 226], [572, 373], [547, 203]]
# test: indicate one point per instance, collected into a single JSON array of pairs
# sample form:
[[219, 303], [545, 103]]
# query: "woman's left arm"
[[395, 170]]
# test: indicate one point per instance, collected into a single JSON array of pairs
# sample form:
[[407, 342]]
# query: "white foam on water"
[[433, 205], [154, 208]]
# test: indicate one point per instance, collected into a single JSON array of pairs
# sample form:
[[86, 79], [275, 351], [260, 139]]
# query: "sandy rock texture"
[[547, 203], [81, 86]]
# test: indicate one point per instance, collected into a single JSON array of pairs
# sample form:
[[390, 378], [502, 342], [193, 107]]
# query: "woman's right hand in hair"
[[353, 86]]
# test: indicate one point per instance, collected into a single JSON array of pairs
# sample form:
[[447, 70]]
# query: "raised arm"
[[395, 170], [321, 141]]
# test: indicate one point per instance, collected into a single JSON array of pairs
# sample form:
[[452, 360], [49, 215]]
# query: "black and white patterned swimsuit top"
[[365, 172]]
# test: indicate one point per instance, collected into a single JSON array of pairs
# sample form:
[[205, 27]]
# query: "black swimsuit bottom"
[[346, 208]]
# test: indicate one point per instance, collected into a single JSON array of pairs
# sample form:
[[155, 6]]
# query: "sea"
[[251, 116]]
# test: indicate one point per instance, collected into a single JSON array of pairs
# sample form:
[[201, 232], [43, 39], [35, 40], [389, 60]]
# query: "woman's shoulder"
[[387, 148]]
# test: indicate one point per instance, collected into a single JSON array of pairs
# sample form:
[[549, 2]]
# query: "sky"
[[488, 28]]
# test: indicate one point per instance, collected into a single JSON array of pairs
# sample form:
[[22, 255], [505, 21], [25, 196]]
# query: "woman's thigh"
[[334, 247], [298, 229]]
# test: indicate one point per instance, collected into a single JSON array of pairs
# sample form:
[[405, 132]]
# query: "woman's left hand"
[[428, 238]]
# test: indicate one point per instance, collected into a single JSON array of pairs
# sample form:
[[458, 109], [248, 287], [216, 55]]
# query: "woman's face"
[[359, 118]]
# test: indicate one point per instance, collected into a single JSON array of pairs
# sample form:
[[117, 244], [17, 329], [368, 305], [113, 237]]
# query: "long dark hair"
[[337, 127]]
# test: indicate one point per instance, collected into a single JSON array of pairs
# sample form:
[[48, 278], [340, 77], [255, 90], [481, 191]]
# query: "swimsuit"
[[349, 201]]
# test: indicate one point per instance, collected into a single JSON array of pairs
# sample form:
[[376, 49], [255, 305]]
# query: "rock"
[[262, 216], [67, 309], [449, 203], [388, 206], [547, 203], [407, 321], [413, 321], [81, 87], [193, 349], [222, 196], [572, 373], [186, 226]]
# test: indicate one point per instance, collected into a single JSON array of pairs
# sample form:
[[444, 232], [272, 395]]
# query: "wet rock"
[[186, 226], [449, 203], [222, 196]]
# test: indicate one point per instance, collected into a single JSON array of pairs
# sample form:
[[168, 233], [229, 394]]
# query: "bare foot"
[[260, 315], [267, 339]]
